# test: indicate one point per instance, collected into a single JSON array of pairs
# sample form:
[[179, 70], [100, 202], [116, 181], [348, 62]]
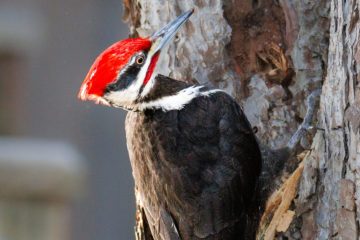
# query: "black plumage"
[[195, 169]]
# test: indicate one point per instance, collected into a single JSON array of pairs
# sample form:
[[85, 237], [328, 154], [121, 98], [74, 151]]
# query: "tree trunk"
[[270, 55], [328, 201]]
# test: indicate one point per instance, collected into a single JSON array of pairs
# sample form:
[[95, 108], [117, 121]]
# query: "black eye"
[[140, 60]]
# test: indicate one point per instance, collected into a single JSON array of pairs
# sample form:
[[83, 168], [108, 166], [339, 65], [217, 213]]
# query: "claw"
[[307, 122]]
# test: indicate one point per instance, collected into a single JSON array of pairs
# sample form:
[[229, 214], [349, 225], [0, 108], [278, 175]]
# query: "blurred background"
[[64, 168]]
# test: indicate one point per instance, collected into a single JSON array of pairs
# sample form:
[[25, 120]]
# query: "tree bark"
[[270, 55], [328, 201]]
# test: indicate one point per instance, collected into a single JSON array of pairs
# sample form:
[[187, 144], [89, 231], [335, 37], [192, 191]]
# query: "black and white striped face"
[[130, 83], [124, 73]]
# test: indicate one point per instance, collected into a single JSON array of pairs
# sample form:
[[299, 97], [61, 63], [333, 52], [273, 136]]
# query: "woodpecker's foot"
[[307, 122]]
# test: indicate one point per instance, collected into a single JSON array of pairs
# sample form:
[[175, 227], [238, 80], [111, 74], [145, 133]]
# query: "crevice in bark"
[[346, 158]]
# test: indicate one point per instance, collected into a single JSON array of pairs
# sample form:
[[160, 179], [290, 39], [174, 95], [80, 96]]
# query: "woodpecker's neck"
[[163, 86], [169, 94]]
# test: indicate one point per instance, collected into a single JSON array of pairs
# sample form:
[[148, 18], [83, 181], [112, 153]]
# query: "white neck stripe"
[[177, 101]]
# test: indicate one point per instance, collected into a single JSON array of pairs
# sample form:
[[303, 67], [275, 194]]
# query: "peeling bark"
[[270, 55]]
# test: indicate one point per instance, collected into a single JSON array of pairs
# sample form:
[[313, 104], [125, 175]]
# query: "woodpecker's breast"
[[200, 163]]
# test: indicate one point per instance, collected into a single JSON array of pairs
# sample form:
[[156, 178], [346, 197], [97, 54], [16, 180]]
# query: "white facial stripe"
[[177, 101], [149, 85], [142, 74]]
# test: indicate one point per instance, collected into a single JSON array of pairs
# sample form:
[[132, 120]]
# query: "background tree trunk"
[[270, 55]]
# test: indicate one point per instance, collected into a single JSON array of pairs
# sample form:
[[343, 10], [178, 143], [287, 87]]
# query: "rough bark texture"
[[270, 55], [328, 201]]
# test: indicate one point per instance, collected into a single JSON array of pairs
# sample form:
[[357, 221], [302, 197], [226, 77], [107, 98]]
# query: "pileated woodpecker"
[[195, 159]]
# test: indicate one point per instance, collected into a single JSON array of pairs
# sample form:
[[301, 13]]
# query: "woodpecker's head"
[[123, 73]]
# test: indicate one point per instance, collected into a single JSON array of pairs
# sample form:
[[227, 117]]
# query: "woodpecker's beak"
[[165, 34]]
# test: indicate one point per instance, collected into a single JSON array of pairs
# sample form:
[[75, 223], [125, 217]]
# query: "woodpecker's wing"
[[200, 164]]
